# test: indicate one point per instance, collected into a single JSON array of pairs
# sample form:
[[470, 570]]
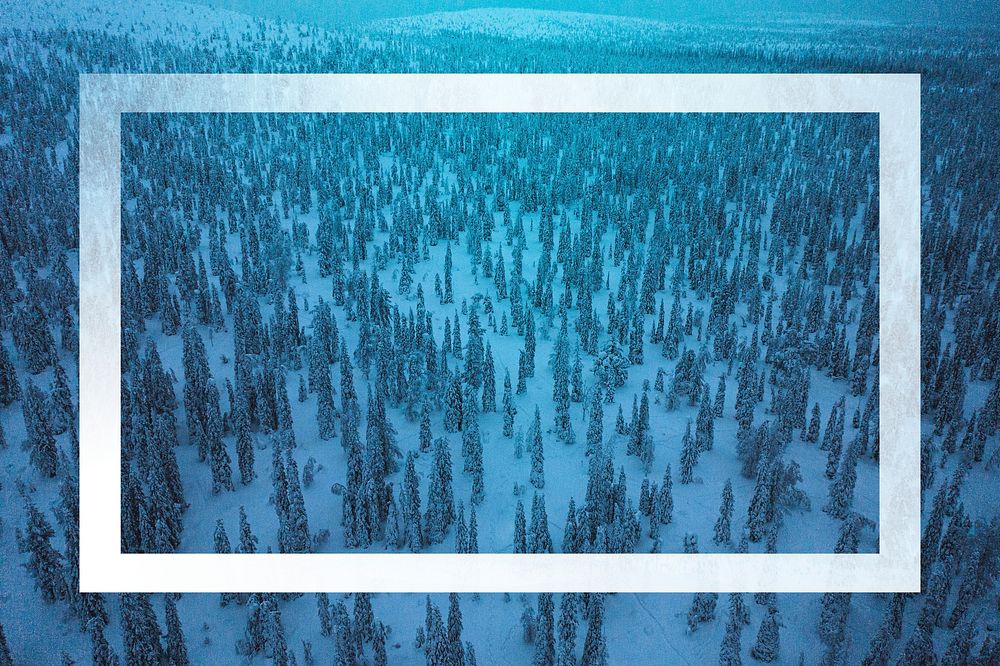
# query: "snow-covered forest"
[[526, 333]]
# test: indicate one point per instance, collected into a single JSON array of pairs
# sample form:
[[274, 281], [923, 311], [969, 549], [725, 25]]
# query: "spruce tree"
[[440, 502], [689, 456], [722, 524], [176, 649], [520, 530], [729, 651], [766, 648], [595, 647], [567, 630], [44, 561], [140, 631], [509, 410], [545, 642], [537, 453], [44, 452]]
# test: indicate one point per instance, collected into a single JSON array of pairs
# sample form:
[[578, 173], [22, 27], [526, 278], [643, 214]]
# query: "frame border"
[[894, 97]]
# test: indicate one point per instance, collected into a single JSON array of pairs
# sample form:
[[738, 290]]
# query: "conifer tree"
[[545, 642], [140, 631], [489, 382], [40, 443], [520, 530], [248, 542], [689, 456], [722, 524], [10, 388], [595, 647], [766, 648], [176, 649], [539, 538], [595, 428], [44, 561], [448, 293], [567, 630], [663, 503], [537, 453], [323, 609], [440, 501], [101, 652], [456, 650], [222, 474], [729, 651]]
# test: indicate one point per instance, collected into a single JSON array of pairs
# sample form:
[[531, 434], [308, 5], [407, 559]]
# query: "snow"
[[640, 628]]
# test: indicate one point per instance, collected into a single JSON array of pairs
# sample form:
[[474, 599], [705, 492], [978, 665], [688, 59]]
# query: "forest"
[[527, 333]]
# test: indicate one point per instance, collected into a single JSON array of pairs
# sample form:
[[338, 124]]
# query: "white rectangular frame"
[[105, 97]]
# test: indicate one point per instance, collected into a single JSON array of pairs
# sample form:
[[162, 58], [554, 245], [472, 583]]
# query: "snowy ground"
[[641, 629]]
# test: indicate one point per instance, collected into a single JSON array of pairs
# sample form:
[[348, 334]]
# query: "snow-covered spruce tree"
[[539, 537], [364, 618], [245, 455], [730, 649], [834, 609], [689, 456], [595, 647], [767, 647], [10, 387], [60, 404], [610, 369], [323, 387], [296, 534], [509, 409], [453, 405], [456, 650], [489, 401], [702, 609], [545, 642], [425, 427], [461, 531], [640, 442], [222, 474], [448, 296], [571, 536], [473, 544], [44, 561], [567, 629], [560, 384], [880, 647], [537, 452], [663, 502], [176, 648], [841, 496], [44, 452], [197, 377], [811, 433], [379, 654], [529, 344], [323, 610], [101, 652], [440, 499], [410, 500], [248, 542], [720, 398], [33, 339], [472, 448], [520, 530], [722, 524], [705, 431], [140, 631], [595, 427]]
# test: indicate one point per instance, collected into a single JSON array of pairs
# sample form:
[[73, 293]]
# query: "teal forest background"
[[336, 331]]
